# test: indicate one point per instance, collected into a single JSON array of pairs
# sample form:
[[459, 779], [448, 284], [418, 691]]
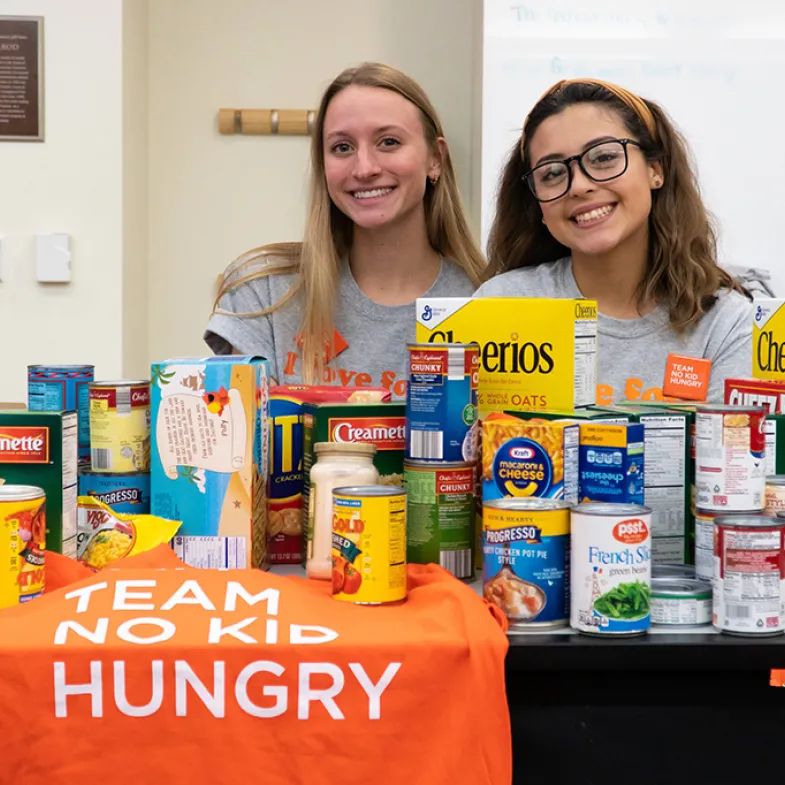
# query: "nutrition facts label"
[[213, 553], [585, 362]]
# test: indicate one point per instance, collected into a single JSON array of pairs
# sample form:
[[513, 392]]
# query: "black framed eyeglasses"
[[601, 162]]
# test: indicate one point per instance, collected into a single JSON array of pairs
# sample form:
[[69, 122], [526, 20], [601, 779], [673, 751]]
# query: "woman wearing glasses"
[[599, 200]]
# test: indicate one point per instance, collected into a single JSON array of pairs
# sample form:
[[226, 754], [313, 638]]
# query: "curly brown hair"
[[682, 271]]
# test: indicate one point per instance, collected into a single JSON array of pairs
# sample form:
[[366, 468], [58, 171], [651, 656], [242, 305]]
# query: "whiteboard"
[[717, 67]]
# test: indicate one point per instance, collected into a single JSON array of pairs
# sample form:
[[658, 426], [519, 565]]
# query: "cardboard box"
[[769, 393], [40, 448], [768, 339], [535, 353], [209, 457], [285, 484], [775, 444], [611, 463]]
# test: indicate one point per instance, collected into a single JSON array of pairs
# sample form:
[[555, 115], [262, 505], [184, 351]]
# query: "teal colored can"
[[127, 493]]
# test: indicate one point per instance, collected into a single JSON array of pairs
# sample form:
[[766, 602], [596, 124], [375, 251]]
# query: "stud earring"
[[657, 182], [434, 180]]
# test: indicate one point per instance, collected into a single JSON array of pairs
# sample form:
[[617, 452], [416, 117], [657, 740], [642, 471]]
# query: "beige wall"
[[213, 197]]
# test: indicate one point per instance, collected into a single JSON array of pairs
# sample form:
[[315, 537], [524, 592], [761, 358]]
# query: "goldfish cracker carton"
[[285, 483], [611, 463], [535, 353], [768, 339], [209, 458], [381, 424], [523, 458]]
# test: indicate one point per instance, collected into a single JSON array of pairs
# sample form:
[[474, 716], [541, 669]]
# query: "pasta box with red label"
[[381, 424], [769, 393], [285, 483]]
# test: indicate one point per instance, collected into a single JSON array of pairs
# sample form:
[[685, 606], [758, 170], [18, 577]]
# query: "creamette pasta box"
[[209, 460], [768, 339], [380, 424], [535, 353]]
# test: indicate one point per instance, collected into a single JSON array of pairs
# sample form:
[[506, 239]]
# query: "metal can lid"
[[757, 521], [680, 587], [411, 463], [120, 383], [718, 408], [528, 504], [775, 479], [418, 346], [345, 448], [672, 571], [710, 515], [20, 493], [87, 471], [609, 508], [369, 490], [60, 367]]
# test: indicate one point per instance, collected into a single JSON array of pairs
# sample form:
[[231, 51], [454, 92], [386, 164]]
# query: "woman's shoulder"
[[732, 305], [265, 274], [543, 280], [453, 281]]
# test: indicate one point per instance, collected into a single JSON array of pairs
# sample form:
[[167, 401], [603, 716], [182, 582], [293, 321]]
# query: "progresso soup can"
[[526, 547], [22, 543], [610, 579], [120, 426], [730, 453], [124, 493], [61, 388], [441, 402]]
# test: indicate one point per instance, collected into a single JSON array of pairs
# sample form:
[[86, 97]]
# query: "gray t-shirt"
[[632, 353], [371, 340]]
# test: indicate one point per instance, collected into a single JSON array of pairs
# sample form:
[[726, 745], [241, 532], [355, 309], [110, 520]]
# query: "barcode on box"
[[459, 563], [101, 459], [428, 445]]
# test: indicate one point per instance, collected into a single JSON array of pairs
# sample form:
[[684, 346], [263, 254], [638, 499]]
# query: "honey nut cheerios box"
[[768, 339], [535, 353], [285, 484], [209, 457]]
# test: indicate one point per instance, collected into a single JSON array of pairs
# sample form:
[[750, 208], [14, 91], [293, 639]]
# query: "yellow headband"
[[630, 100]]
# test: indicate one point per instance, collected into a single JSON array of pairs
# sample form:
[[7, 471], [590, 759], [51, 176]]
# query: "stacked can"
[[441, 455], [119, 471], [61, 388], [747, 546]]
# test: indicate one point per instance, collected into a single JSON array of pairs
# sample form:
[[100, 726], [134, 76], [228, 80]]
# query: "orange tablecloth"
[[178, 675]]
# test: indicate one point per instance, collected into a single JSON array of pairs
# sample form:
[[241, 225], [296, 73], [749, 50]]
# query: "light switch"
[[53, 258]]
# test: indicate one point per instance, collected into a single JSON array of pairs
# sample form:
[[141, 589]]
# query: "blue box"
[[610, 463]]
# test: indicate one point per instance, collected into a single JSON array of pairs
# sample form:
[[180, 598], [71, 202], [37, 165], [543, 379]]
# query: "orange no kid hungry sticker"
[[687, 377]]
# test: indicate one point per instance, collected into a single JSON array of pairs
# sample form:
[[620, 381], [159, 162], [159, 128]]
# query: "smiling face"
[[592, 218], [376, 157]]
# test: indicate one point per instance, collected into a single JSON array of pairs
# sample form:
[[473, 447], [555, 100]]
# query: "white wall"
[[213, 197], [69, 183]]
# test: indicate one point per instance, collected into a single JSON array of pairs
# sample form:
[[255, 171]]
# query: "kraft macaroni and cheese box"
[[40, 448], [526, 458], [768, 339], [285, 483], [611, 463], [535, 353], [209, 460]]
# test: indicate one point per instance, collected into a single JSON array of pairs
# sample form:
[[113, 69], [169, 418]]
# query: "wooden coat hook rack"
[[279, 122]]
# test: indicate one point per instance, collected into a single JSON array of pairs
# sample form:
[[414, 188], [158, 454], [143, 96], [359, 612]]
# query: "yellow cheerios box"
[[768, 339], [535, 353]]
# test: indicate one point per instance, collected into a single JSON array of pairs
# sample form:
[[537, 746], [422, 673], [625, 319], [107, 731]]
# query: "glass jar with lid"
[[337, 464]]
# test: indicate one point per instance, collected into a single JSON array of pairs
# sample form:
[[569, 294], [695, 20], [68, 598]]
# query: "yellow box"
[[768, 339], [535, 353]]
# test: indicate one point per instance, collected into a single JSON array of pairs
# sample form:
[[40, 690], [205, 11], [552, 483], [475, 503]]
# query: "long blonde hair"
[[682, 271], [328, 232]]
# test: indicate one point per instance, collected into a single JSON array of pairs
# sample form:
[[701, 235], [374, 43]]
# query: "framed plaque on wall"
[[21, 79]]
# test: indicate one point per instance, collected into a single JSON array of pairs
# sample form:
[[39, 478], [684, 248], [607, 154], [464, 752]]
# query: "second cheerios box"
[[524, 458]]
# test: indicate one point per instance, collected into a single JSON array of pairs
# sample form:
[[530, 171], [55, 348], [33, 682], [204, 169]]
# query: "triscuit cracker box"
[[524, 458], [768, 339], [610, 463], [210, 457], [535, 353]]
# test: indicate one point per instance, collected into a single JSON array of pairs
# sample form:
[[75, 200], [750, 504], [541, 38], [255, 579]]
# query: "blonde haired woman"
[[385, 226]]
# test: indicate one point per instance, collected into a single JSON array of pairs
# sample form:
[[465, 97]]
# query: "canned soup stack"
[[440, 464], [738, 545], [119, 469]]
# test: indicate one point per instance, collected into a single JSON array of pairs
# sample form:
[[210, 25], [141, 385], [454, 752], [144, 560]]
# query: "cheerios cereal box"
[[285, 484], [526, 458], [768, 339], [535, 353], [209, 459]]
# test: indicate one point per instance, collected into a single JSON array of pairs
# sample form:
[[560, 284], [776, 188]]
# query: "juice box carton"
[[769, 393], [669, 450], [611, 462], [40, 448], [535, 353], [285, 483], [524, 458], [209, 457], [768, 339], [382, 424]]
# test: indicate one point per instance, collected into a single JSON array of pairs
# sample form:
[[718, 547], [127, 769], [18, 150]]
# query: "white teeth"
[[594, 214], [371, 194]]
